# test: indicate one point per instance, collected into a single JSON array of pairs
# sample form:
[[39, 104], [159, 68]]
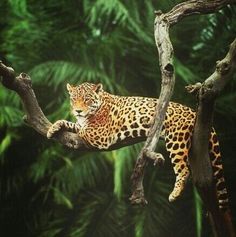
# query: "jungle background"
[[47, 190]]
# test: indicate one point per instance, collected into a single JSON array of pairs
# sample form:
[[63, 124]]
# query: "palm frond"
[[123, 165], [198, 206], [4, 145], [118, 14], [185, 73], [11, 114], [57, 73], [85, 171], [19, 8], [110, 213], [61, 199]]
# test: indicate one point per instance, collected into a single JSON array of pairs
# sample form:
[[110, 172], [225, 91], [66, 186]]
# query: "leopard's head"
[[85, 99]]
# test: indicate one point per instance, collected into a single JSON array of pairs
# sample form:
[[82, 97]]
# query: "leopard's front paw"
[[57, 126]]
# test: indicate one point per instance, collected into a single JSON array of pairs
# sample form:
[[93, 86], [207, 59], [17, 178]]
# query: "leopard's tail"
[[216, 160], [221, 190]]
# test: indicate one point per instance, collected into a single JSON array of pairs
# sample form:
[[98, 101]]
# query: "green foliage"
[[5, 143], [198, 206], [78, 194], [11, 113]]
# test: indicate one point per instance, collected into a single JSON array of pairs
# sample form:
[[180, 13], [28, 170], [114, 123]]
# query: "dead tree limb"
[[199, 160], [165, 51], [195, 7]]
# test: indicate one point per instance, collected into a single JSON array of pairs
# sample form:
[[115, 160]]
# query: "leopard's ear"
[[69, 87], [98, 88]]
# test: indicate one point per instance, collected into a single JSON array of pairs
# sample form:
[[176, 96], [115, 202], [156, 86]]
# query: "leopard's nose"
[[78, 111]]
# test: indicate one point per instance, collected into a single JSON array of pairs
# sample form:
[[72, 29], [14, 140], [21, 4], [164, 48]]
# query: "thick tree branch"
[[207, 93], [199, 160], [165, 51], [195, 7]]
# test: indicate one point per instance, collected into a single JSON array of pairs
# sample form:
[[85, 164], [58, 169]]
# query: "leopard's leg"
[[218, 174], [62, 124], [178, 144]]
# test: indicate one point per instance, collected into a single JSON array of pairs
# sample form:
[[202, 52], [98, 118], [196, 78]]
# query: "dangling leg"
[[218, 174], [178, 144]]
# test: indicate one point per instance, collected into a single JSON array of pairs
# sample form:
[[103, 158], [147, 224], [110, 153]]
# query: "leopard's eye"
[[88, 100], [73, 96]]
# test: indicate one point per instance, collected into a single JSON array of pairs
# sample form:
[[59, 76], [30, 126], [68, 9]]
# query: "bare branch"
[[195, 7], [199, 160], [165, 50]]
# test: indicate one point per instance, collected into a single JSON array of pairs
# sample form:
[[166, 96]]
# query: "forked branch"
[[199, 160]]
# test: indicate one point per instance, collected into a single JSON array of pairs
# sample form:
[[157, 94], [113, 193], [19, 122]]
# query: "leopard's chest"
[[81, 121]]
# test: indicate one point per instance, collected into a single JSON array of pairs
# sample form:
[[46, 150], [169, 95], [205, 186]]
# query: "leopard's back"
[[126, 120]]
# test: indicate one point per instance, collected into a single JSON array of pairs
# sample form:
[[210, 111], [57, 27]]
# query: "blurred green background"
[[50, 191]]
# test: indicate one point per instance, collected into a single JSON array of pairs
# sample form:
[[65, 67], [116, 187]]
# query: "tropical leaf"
[[58, 73], [123, 165], [86, 171], [199, 212], [61, 199], [10, 112], [4, 145], [185, 73], [118, 14]]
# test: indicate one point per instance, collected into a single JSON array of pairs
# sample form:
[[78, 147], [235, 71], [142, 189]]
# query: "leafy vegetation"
[[48, 190]]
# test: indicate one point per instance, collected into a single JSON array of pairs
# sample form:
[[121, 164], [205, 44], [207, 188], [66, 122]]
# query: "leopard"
[[105, 121]]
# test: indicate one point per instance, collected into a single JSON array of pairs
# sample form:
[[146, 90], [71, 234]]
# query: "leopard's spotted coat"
[[105, 120]]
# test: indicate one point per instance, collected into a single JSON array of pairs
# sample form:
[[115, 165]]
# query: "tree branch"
[[165, 51], [195, 7], [199, 160]]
